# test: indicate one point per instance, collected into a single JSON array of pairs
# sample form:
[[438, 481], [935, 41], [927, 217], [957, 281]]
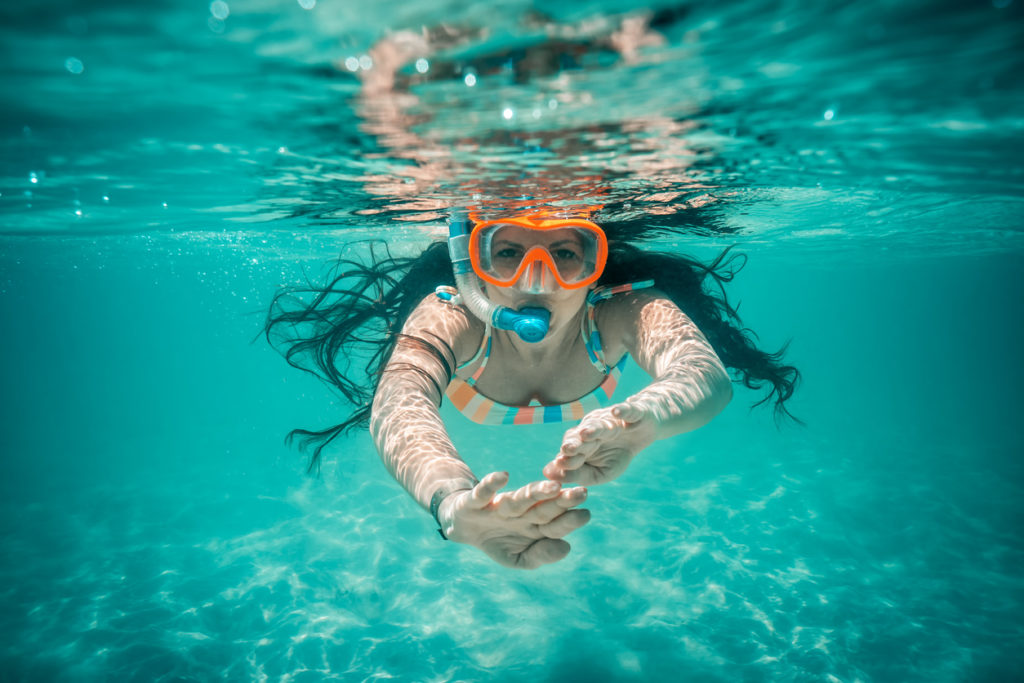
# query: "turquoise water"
[[163, 172]]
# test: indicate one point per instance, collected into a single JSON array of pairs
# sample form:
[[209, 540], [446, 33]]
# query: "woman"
[[543, 318]]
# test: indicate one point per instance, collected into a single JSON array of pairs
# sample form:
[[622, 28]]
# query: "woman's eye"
[[508, 253], [566, 255]]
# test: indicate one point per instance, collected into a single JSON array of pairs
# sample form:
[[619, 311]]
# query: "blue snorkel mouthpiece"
[[530, 323]]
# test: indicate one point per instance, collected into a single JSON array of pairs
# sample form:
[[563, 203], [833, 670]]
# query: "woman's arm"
[[690, 387], [521, 528], [405, 423]]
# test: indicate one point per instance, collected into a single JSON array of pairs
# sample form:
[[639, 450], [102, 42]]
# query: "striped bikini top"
[[482, 410]]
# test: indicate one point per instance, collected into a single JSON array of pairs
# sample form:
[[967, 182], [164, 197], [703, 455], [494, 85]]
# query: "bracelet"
[[435, 505]]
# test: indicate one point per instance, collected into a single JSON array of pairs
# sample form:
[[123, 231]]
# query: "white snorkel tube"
[[530, 323]]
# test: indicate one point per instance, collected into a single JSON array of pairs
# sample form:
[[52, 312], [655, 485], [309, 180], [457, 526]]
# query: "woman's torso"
[[497, 386]]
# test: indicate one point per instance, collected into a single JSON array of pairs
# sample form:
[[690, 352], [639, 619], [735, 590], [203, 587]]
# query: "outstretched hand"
[[601, 447], [522, 528]]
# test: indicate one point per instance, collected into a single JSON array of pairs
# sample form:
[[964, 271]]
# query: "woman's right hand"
[[522, 528]]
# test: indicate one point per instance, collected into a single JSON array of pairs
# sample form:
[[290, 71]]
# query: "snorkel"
[[531, 324]]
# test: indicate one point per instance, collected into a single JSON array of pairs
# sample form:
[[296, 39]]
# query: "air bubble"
[[219, 9]]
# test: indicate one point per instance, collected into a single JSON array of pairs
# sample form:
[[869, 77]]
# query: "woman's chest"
[[518, 381]]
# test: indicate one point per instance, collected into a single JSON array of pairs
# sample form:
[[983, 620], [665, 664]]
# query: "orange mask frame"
[[539, 253]]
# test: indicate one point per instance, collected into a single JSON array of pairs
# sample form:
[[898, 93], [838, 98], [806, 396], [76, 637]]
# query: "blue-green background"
[[155, 527]]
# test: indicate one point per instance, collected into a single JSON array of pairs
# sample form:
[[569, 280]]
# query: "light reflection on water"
[[683, 119]]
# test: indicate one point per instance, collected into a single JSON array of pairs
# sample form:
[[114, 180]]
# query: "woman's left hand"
[[601, 447]]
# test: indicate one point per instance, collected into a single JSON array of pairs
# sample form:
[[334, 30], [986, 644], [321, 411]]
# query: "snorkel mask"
[[532, 253], [538, 255]]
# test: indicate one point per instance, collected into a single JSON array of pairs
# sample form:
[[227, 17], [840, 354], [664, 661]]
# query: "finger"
[[579, 446], [485, 491], [571, 462], [546, 511], [566, 523], [628, 412], [569, 498], [516, 503], [571, 440], [562, 469], [599, 429], [543, 551], [554, 471]]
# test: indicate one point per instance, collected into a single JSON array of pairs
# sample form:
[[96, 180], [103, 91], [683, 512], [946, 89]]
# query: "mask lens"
[[569, 255], [503, 248]]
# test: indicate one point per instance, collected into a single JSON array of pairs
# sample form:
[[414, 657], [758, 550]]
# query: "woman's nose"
[[538, 279]]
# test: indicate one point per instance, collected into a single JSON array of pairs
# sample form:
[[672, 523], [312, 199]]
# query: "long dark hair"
[[356, 319]]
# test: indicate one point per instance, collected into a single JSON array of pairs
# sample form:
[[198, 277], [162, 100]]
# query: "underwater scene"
[[167, 168]]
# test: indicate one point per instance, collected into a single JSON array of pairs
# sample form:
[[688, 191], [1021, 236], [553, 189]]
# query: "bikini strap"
[[588, 326], [485, 349], [602, 293]]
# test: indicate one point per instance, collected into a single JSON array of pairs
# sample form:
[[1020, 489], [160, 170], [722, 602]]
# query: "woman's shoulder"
[[627, 305], [452, 323], [620, 317]]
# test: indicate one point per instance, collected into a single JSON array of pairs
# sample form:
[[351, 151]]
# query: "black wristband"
[[435, 505]]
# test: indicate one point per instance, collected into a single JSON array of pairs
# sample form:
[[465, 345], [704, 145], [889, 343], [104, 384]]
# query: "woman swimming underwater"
[[536, 316]]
